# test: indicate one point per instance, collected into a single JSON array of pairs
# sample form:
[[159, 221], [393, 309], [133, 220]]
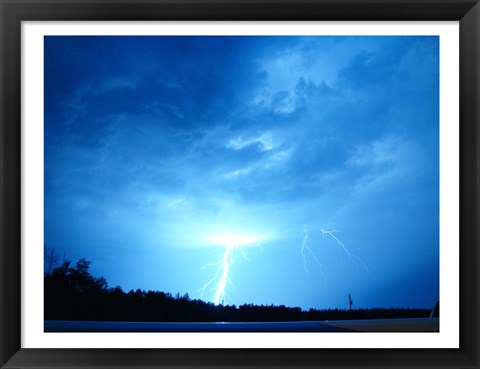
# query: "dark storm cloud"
[[153, 142]]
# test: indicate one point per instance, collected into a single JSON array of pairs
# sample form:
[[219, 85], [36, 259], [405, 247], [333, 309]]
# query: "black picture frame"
[[13, 12]]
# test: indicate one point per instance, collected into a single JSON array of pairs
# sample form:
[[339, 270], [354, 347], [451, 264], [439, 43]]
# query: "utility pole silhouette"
[[350, 301]]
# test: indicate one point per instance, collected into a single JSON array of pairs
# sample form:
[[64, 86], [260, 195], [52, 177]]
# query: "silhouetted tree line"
[[72, 293]]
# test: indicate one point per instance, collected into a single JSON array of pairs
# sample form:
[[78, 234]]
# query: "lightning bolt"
[[231, 243], [225, 266], [344, 248], [304, 248], [213, 277]]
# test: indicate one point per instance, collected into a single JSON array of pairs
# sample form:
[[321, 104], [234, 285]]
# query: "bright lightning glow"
[[233, 239], [349, 254], [231, 242]]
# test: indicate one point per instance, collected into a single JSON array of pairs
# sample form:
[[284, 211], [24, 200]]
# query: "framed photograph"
[[239, 184]]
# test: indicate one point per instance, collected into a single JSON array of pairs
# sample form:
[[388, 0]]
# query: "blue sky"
[[314, 159]]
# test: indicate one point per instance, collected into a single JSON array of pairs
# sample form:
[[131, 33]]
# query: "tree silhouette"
[[51, 259], [72, 293]]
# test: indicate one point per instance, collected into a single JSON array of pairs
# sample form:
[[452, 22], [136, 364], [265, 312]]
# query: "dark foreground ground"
[[372, 325]]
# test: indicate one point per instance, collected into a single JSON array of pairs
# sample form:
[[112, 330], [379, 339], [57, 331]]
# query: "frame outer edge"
[[3, 348], [10, 182], [470, 184], [235, 10], [10, 185]]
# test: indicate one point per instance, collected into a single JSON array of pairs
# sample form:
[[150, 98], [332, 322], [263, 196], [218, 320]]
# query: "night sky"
[[308, 165]]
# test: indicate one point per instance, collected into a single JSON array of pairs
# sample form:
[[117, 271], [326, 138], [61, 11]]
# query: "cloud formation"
[[152, 143]]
